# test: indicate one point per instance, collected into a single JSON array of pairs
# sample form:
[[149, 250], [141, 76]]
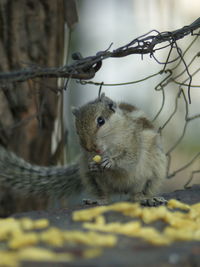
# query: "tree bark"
[[31, 32]]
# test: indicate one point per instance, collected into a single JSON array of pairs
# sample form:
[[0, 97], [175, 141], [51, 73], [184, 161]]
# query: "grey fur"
[[32, 179], [132, 162]]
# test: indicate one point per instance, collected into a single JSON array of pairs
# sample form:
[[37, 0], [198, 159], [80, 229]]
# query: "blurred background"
[[119, 22], [36, 120]]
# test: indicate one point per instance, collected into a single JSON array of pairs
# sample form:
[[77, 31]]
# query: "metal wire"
[[85, 68]]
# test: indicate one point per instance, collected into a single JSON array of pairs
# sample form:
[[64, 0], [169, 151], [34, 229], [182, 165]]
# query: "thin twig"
[[120, 84], [191, 178], [184, 166], [185, 125], [85, 68]]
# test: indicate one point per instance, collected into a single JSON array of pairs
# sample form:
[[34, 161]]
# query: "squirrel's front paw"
[[106, 163], [93, 166]]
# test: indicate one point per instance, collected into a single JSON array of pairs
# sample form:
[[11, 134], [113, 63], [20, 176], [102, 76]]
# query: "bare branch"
[[185, 166], [121, 84], [191, 178], [85, 68], [185, 125], [193, 117]]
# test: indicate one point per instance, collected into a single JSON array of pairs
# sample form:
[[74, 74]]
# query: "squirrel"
[[132, 160]]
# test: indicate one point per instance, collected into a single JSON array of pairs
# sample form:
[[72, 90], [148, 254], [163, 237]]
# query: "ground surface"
[[128, 251]]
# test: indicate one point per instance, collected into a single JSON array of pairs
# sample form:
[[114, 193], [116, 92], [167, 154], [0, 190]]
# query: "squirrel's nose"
[[93, 148], [96, 149]]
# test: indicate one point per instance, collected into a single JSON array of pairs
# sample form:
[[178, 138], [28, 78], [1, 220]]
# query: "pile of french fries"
[[35, 240]]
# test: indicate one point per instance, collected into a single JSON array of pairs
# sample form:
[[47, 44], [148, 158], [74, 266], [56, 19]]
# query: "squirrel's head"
[[90, 118]]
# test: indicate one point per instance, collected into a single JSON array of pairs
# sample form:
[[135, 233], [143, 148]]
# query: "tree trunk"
[[31, 32]]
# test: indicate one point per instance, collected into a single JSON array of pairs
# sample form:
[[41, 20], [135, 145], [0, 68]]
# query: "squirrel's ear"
[[109, 102], [102, 96], [75, 111]]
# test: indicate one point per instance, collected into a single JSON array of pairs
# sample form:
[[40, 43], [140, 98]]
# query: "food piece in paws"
[[97, 158]]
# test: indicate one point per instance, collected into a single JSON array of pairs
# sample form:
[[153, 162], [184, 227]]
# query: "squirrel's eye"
[[100, 121]]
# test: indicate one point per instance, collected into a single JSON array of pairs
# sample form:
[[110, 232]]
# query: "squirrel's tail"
[[32, 179]]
